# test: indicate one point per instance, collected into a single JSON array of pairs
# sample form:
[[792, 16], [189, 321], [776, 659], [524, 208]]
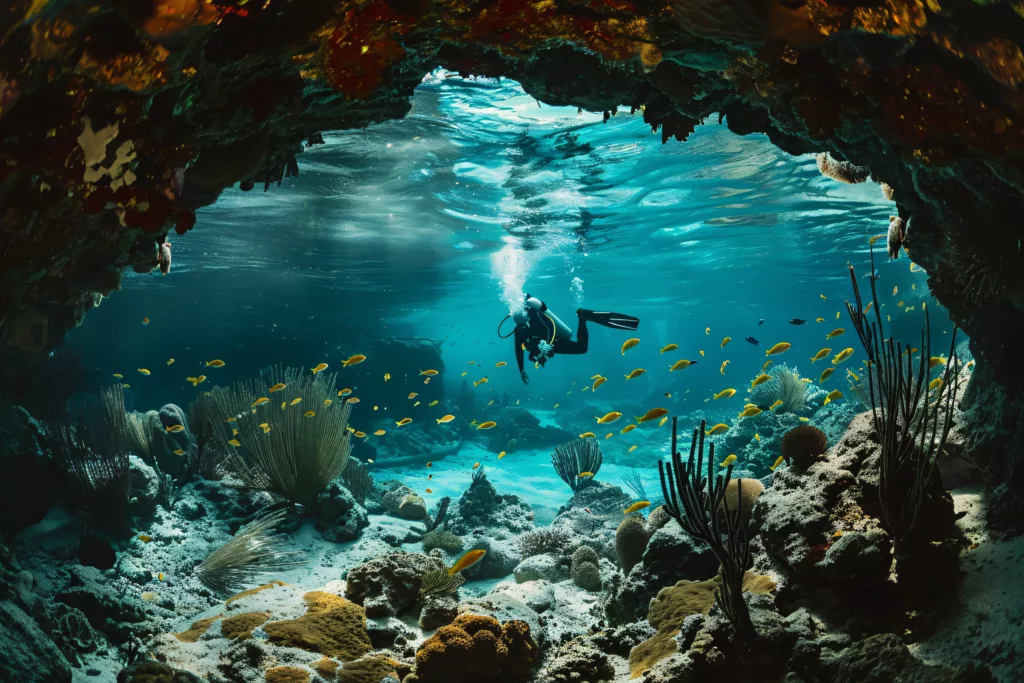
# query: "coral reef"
[[473, 648], [631, 538], [389, 585], [332, 626]]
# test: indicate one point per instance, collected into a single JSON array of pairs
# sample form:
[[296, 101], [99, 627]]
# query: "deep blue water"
[[429, 226]]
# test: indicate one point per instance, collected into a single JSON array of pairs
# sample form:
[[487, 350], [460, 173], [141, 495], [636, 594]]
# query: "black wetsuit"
[[540, 328]]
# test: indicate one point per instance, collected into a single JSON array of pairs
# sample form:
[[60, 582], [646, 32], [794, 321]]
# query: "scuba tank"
[[558, 330]]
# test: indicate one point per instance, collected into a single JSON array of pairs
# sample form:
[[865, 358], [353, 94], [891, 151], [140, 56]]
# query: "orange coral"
[[475, 647]]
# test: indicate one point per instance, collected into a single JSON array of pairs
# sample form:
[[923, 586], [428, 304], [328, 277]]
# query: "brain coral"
[[474, 648]]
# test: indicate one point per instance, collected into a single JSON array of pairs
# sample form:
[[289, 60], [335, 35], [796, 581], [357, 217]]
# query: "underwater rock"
[[388, 586], [27, 487], [861, 558], [71, 631], [388, 632], [481, 506], [145, 489], [340, 517], [584, 569], [403, 502], [525, 427], [578, 661], [109, 608], [150, 671], [437, 611], [882, 658], [540, 567], [97, 552], [538, 595], [601, 498], [28, 652], [501, 558]]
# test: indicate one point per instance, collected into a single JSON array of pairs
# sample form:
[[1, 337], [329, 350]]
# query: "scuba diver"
[[542, 335]]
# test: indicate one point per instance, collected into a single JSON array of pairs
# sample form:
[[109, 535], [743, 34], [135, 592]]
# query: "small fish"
[[118, 375], [489, 403], [750, 411], [717, 429], [757, 438], [234, 442], [853, 375], [842, 355], [145, 539], [775, 405], [170, 361], [260, 401], [160, 576], [730, 459], [628, 344], [725, 393], [820, 354], [825, 375], [587, 388], [819, 320], [835, 333], [608, 418], [588, 435], [467, 560], [837, 315], [482, 380], [725, 341], [428, 373], [662, 421], [874, 238], [778, 461], [359, 435], [472, 362], [178, 451], [669, 347], [475, 465], [556, 405], [761, 321], [652, 414], [766, 364], [277, 387], [387, 376], [145, 321], [608, 435], [823, 297], [681, 365], [753, 341], [797, 321], [760, 379], [309, 413], [353, 360], [429, 477], [501, 455], [266, 428], [428, 491], [900, 304], [837, 534], [464, 373], [234, 432], [781, 347], [722, 369], [935, 384], [668, 394], [631, 448], [636, 373], [595, 376], [584, 475], [627, 429], [701, 354], [433, 403], [379, 432], [637, 506], [328, 402], [867, 309], [296, 401], [500, 364], [215, 363], [832, 396], [707, 330], [914, 268], [936, 360], [598, 382], [445, 419], [426, 380], [895, 290], [174, 429], [404, 421], [805, 380], [200, 379], [490, 424], [344, 392], [353, 400], [143, 371], [283, 405]]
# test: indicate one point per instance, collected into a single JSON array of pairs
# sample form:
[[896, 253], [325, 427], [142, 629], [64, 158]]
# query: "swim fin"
[[618, 321]]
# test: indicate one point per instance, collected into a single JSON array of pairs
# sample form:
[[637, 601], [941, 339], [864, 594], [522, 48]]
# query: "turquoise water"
[[434, 225]]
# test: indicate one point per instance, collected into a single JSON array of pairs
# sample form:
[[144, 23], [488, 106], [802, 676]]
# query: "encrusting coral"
[[474, 648], [287, 674], [242, 625], [332, 626]]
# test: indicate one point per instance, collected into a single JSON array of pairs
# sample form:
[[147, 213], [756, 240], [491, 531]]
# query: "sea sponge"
[[194, 632], [473, 648], [584, 554], [587, 576], [367, 670], [751, 489], [332, 626], [843, 171], [541, 541], [802, 445], [658, 518], [630, 541], [242, 625], [287, 674], [445, 540]]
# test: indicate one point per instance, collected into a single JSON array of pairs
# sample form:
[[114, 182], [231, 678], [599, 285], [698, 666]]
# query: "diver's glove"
[[526, 379]]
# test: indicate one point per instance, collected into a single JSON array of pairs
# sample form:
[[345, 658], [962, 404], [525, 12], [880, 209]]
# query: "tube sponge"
[[630, 541]]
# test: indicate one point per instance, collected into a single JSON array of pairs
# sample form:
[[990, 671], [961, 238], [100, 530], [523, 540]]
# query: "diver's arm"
[[519, 339]]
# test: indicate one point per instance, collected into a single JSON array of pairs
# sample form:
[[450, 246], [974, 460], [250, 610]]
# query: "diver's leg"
[[582, 341]]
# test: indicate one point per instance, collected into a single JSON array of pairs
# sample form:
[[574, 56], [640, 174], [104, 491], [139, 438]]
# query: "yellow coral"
[[368, 670], [287, 674], [332, 626], [475, 647], [242, 625], [197, 629]]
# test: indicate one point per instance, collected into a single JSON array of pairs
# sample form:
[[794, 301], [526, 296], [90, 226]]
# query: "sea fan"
[[786, 386], [254, 550]]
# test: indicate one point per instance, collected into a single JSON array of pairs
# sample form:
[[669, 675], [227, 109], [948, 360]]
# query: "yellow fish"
[[627, 429], [636, 373], [722, 369], [867, 309], [707, 330], [379, 432], [144, 371], [842, 355], [588, 435], [174, 429], [835, 333], [637, 506], [277, 387], [501, 455], [702, 353], [778, 348], [631, 448], [821, 354], [145, 539], [775, 405], [914, 268], [717, 429], [467, 560], [343, 392], [482, 380], [757, 438], [750, 411], [680, 365], [584, 389], [353, 400], [489, 403], [464, 373], [433, 403], [609, 418], [652, 414], [500, 364], [766, 364], [359, 435], [900, 304], [819, 320], [584, 475], [832, 396], [556, 405], [730, 459], [178, 451], [725, 393], [760, 379], [662, 421], [296, 401], [404, 421], [216, 363], [487, 425], [725, 341], [260, 401], [825, 374], [778, 461], [669, 347], [309, 413], [428, 373], [935, 384], [599, 381], [936, 360], [170, 361], [472, 362], [445, 419], [234, 432], [412, 395], [320, 368], [895, 290], [804, 419], [145, 321], [353, 360], [283, 405], [628, 344], [235, 443], [853, 375], [200, 379], [837, 315], [118, 375], [160, 576], [387, 376]]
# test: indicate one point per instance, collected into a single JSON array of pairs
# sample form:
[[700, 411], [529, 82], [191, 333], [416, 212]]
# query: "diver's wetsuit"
[[540, 329]]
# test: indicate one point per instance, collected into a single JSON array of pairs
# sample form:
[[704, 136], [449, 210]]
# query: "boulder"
[[341, 518], [388, 586], [28, 653], [540, 567]]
